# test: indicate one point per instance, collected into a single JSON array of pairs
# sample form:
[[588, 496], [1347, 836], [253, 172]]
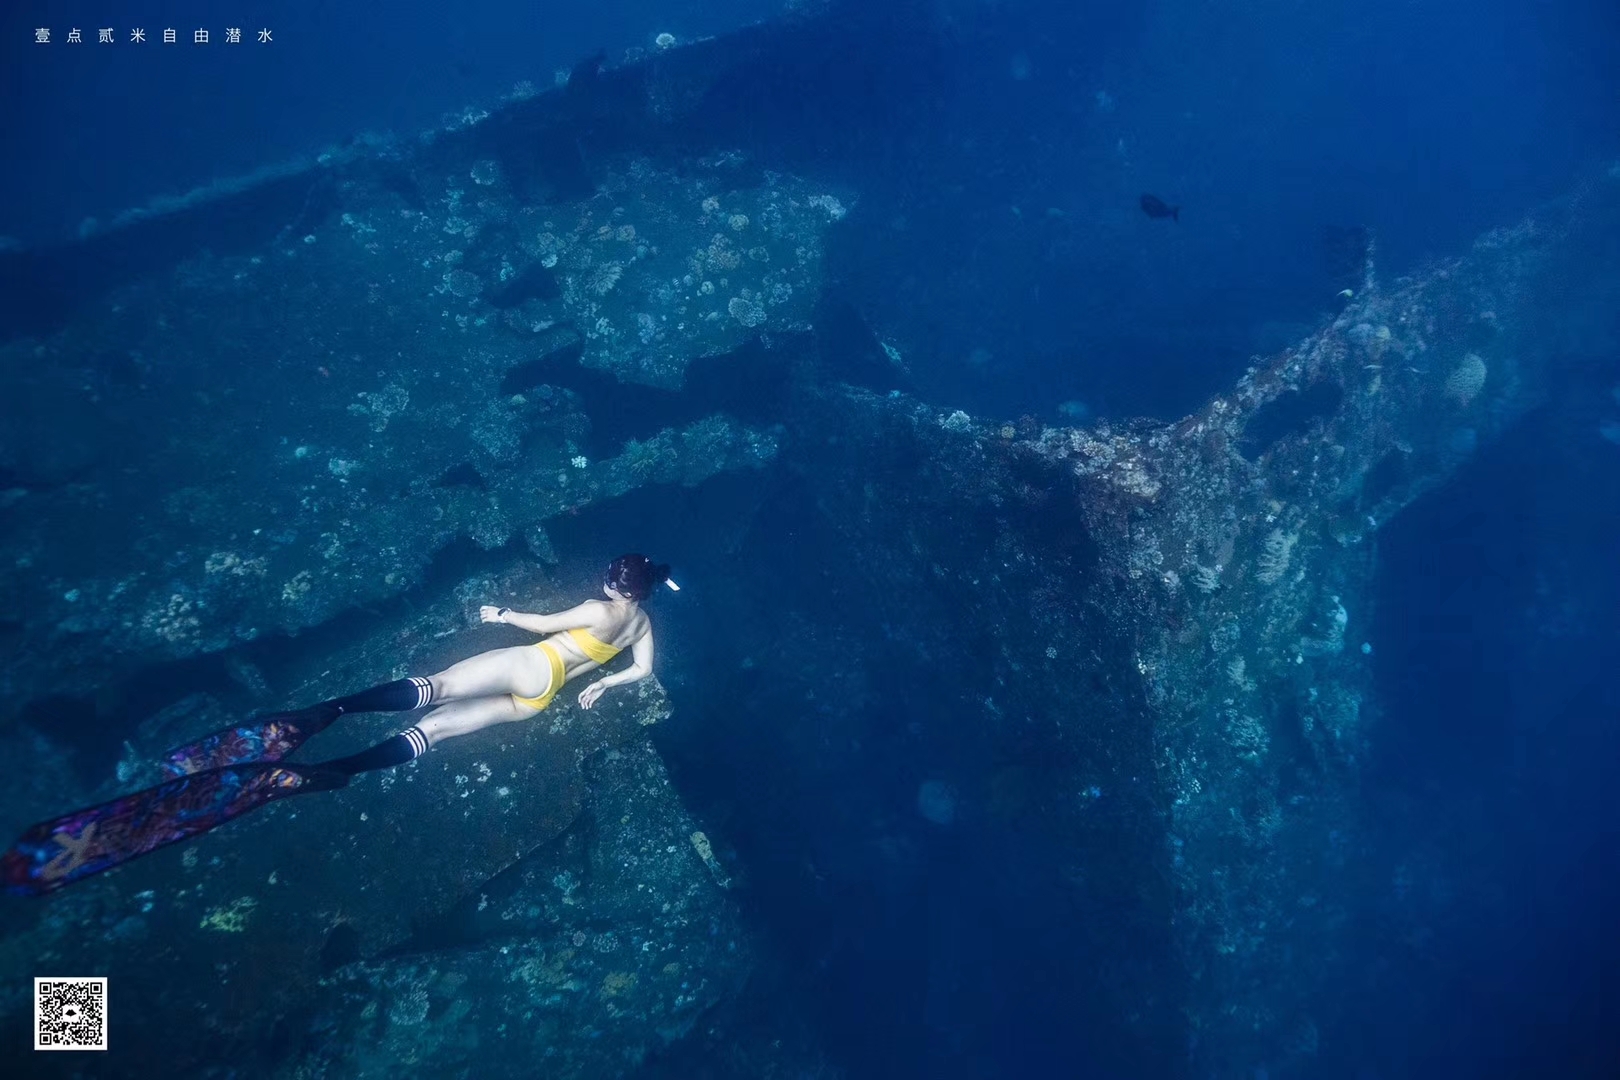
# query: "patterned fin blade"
[[74, 846], [269, 738]]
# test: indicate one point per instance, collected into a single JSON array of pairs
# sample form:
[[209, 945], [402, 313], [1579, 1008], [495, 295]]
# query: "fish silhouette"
[[1155, 207]]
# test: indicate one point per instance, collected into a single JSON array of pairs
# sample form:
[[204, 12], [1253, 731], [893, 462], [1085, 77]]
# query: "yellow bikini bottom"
[[557, 677]]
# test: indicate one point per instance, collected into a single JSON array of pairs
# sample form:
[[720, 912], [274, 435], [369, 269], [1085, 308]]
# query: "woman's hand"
[[589, 695], [491, 613]]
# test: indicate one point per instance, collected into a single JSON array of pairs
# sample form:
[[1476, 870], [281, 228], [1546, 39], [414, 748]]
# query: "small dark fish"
[[1155, 207]]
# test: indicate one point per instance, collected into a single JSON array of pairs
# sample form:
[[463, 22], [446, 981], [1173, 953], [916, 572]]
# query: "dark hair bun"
[[635, 575]]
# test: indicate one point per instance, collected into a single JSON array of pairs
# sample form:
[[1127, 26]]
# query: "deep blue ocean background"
[[1271, 123]]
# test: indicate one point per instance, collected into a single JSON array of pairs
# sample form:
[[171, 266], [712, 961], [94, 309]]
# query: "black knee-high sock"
[[401, 695], [406, 746]]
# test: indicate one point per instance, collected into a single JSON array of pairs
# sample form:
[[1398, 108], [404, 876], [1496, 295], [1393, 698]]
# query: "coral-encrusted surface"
[[350, 406], [611, 942], [1191, 603]]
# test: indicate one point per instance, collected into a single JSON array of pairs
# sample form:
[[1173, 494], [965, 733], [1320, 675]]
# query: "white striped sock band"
[[418, 741], [424, 690]]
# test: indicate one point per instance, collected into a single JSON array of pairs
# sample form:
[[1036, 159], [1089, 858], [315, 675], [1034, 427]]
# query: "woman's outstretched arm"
[[574, 618]]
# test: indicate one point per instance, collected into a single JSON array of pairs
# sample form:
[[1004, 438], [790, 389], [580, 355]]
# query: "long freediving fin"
[[75, 846], [267, 738]]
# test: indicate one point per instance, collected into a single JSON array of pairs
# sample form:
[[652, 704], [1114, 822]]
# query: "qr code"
[[70, 1014]]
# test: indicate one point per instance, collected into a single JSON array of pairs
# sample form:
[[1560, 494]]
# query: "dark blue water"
[[1000, 151]]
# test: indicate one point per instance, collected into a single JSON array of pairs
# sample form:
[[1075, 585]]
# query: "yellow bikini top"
[[593, 647]]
